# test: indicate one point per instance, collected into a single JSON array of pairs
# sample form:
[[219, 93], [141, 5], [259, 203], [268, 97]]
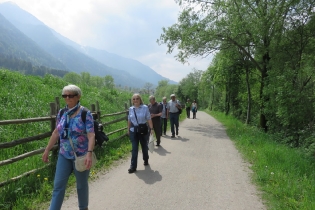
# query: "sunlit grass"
[[29, 97], [286, 176]]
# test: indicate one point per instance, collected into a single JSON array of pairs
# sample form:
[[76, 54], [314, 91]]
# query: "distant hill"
[[125, 71], [47, 44], [14, 43]]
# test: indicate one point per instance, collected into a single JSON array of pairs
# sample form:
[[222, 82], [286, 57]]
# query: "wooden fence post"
[[57, 101], [93, 110], [53, 111], [98, 112]]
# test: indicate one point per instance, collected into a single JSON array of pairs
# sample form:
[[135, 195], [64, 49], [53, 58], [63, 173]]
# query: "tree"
[[72, 78], [109, 82], [253, 27], [188, 86], [148, 87]]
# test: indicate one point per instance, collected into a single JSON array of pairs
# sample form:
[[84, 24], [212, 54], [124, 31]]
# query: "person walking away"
[[173, 107], [138, 114], [163, 116], [187, 105], [69, 125], [194, 109], [156, 112]]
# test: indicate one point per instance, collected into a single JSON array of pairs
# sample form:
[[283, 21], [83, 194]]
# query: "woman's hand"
[[88, 160], [45, 156]]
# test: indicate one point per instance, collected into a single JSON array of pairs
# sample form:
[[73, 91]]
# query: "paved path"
[[199, 169]]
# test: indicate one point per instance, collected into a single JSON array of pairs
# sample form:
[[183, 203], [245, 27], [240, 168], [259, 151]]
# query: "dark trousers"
[[174, 122], [135, 139], [194, 114], [188, 112], [156, 126], [163, 124]]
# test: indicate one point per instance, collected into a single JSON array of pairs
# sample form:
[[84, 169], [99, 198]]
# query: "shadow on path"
[[176, 138], [208, 131], [148, 175], [161, 151]]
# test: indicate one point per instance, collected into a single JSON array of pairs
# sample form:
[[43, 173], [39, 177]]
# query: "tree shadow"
[[161, 151], [205, 130], [148, 175]]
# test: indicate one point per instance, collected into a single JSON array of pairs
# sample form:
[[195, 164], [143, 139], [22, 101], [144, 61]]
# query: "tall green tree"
[[254, 27], [109, 82]]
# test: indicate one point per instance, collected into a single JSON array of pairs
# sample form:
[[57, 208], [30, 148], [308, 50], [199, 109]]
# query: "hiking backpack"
[[100, 136]]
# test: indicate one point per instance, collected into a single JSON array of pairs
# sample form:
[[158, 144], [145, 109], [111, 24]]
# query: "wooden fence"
[[54, 108]]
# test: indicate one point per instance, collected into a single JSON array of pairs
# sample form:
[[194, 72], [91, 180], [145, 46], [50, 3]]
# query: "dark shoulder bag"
[[141, 129]]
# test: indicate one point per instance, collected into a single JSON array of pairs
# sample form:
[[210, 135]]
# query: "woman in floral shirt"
[[70, 125]]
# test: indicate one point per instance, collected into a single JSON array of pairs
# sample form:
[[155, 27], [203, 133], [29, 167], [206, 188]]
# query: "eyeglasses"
[[135, 98], [69, 96]]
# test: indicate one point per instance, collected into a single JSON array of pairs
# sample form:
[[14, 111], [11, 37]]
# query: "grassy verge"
[[286, 176], [27, 97]]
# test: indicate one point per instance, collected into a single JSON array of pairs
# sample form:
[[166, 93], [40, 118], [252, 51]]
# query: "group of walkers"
[[155, 115], [191, 107], [77, 138]]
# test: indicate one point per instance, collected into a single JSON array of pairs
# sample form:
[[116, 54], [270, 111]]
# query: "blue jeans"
[[174, 121], [135, 139], [64, 169]]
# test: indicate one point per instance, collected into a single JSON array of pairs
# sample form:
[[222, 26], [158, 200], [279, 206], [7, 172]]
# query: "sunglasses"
[[69, 96], [135, 99]]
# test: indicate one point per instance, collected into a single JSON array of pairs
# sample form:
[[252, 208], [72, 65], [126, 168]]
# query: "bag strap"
[[71, 143], [135, 115]]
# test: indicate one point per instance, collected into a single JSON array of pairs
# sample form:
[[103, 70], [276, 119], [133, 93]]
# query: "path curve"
[[199, 169]]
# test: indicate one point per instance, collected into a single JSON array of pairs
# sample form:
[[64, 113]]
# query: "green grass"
[[29, 96], [286, 176]]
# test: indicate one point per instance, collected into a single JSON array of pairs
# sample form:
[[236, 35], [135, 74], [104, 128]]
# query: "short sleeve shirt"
[[171, 105], [78, 133], [156, 108]]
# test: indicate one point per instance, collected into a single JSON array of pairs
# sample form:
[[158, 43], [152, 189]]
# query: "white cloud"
[[127, 28]]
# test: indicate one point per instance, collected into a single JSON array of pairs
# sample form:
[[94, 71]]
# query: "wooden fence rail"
[[54, 108], [24, 140]]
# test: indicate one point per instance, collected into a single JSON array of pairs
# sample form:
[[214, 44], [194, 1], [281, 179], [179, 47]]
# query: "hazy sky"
[[128, 28]]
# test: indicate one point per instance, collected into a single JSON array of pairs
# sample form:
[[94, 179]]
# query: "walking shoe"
[[131, 170], [172, 136], [164, 134], [176, 133], [146, 163]]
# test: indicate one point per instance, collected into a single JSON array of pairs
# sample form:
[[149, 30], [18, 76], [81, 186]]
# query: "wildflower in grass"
[[38, 175], [254, 151], [46, 179], [272, 173]]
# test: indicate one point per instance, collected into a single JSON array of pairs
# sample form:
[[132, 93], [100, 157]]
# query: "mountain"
[[118, 62], [71, 53], [42, 36], [14, 43]]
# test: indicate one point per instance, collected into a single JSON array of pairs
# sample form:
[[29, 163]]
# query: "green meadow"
[[24, 97]]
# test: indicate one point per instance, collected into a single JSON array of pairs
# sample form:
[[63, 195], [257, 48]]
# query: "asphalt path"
[[199, 169]]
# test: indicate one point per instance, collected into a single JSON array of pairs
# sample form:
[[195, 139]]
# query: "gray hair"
[[152, 97], [73, 89], [164, 98]]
